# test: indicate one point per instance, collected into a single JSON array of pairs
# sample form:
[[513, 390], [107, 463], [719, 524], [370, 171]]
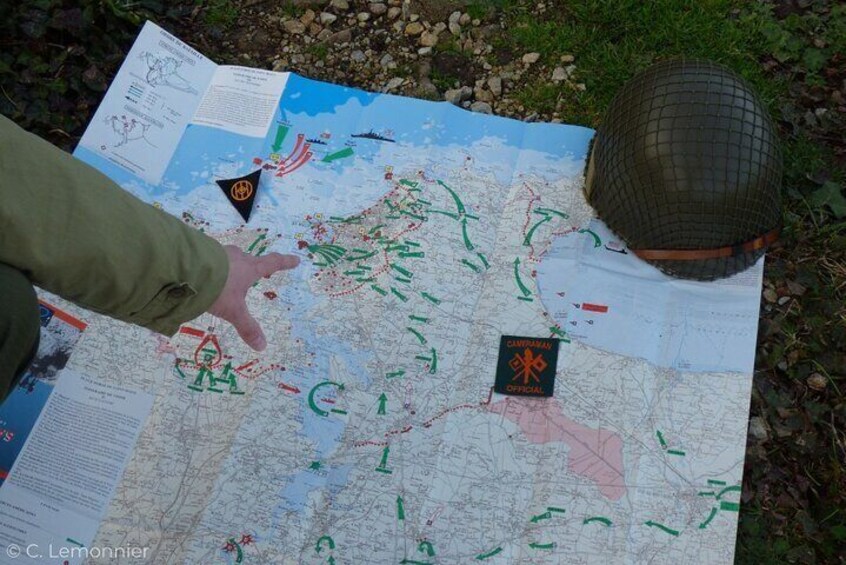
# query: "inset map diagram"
[[164, 71], [128, 130]]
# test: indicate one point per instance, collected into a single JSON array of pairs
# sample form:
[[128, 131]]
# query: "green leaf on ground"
[[830, 194]]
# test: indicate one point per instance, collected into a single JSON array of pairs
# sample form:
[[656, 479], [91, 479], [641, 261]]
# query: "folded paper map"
[[369, 430]]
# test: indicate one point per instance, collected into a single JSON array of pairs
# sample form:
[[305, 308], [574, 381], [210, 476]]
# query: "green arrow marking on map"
[[239, 556], [474, 267], [399, 295], [735, 488], [550, 545], [464, 235], [527, 241], [523, 288], [596, 241], [343, 153], [488, 555], [458, 204], [400, 509], [418, 335], [670, 531], [255, 242], [430, 298], [539, 517], [426, 547], [281, 132], [559, 333], [600, 519], [382, 400], [382, 468], [707, 521], [379, 289], [330, 542], [314, 406]]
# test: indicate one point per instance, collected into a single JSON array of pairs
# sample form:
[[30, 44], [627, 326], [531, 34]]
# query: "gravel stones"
[[530, 58], [481, 107], [458, 95], [414, 28], [295, 27]]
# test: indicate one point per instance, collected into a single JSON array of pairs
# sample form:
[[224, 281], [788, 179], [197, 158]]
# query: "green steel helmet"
[[686, 168]]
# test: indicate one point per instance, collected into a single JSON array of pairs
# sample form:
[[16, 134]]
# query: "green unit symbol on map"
[[343, 153], [313, 404]]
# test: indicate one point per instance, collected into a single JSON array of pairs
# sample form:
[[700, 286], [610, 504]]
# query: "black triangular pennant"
[[241, 192]]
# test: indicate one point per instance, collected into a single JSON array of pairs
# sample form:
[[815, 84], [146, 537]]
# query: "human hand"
[[244, 270]]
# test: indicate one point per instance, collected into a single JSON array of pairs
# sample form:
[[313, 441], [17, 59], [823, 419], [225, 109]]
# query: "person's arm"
[[75, 233]]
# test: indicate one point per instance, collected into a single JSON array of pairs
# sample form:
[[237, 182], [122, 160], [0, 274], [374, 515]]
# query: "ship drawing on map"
[[385, 136]]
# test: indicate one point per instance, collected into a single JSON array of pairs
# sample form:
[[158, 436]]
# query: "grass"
[[443, 81], [615, 40], [482, 10], [318, 50], [222, 13], [291, 8]]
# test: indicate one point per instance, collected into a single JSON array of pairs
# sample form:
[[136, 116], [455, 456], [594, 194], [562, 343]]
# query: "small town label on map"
[[526, 366]]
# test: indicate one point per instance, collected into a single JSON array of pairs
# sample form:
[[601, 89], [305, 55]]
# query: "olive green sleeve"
[[75, 233]]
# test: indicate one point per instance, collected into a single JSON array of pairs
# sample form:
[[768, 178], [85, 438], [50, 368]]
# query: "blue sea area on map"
[[295, 495], [322, 432], [410, 119], [648, 315], [335, 120]]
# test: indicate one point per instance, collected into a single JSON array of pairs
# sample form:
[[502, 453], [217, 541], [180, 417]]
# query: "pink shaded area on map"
[[595, 454]]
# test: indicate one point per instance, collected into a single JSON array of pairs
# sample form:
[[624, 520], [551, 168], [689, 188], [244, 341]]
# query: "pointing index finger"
[[273, 262]]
